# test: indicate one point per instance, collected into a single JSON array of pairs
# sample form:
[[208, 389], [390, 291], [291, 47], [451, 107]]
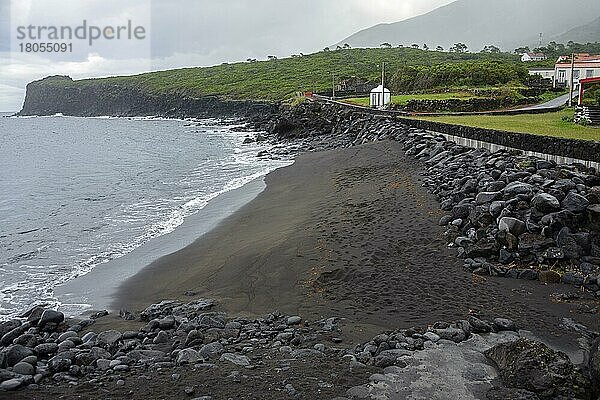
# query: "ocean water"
[[76, 193]]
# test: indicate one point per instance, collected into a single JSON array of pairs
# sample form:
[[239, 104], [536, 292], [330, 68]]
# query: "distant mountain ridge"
[[507, 24], [582, 34]]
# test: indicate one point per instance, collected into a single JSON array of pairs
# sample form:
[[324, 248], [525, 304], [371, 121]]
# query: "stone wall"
[[467, 105], [579, 149]]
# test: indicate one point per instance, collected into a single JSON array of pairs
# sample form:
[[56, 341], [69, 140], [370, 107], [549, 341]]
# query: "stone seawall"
[[579, 149]]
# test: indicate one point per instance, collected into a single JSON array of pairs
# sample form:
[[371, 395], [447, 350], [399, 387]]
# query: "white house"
[[585, 66], [380, 96], [527, 57], [545, 73]]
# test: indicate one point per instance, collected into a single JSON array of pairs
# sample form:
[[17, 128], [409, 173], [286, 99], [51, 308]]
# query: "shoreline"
[[308, 245], [85, 291]]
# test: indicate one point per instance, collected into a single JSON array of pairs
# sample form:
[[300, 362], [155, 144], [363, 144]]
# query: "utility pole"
[[383, 84], [572, 79], [333, 87]]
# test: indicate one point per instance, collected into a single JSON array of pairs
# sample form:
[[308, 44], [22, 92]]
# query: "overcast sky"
[[180, 33]]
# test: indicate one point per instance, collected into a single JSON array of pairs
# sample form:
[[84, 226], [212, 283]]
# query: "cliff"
[[121, 97]]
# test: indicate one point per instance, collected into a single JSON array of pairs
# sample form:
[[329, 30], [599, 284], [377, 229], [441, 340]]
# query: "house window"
[[562, 75], [576, 74], [589, 73]]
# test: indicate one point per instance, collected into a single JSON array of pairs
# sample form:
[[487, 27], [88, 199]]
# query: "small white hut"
[[380, 97]]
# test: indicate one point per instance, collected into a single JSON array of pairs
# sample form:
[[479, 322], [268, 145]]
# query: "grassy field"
[[403, 99], [550, 124], [280, 79]]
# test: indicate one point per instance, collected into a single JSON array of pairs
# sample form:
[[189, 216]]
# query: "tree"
[[425, 47], [522, 50], [458, 48], [439, 48], [415, 46], [386, 45], [491, 49]]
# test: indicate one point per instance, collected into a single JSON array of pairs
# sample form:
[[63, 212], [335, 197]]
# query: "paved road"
[[554, 103]]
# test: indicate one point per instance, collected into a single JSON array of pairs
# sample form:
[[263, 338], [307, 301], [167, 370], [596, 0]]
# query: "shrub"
[[471, 73]]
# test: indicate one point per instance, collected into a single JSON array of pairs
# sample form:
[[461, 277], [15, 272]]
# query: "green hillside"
[[280, 79]]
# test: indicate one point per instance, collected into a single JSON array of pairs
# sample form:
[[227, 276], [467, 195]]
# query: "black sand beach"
[[348, 233]]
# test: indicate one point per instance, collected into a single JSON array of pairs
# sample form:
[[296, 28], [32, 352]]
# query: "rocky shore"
[[61, 95], [506, 214], [46, 351]]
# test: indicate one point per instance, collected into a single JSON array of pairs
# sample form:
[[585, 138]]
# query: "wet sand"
[[348, 233]]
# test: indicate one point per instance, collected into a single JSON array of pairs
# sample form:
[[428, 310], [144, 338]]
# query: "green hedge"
[[469, 73]]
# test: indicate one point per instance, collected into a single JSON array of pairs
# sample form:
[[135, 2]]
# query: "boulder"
[[512, 225], [503, 324], [568, 243], [575, 203], [23, 368], [295, 320], [90, 357], [61, 362], [496, 208], [453, 334], [108, 338], [189, 356], [573, 278], [236, 359], [479, 326], [50, 316], [11, 384], [8, 326], [45, 349], [166, 323], [11, 335], [211, 350], [16, 353], [67, 335], [528, 274], [103, 364], [161, 337], [487, 197], [564, 185], [516, 188], [212, 320], [545, 203], [35, 314], [194, 337], [533, 366]]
